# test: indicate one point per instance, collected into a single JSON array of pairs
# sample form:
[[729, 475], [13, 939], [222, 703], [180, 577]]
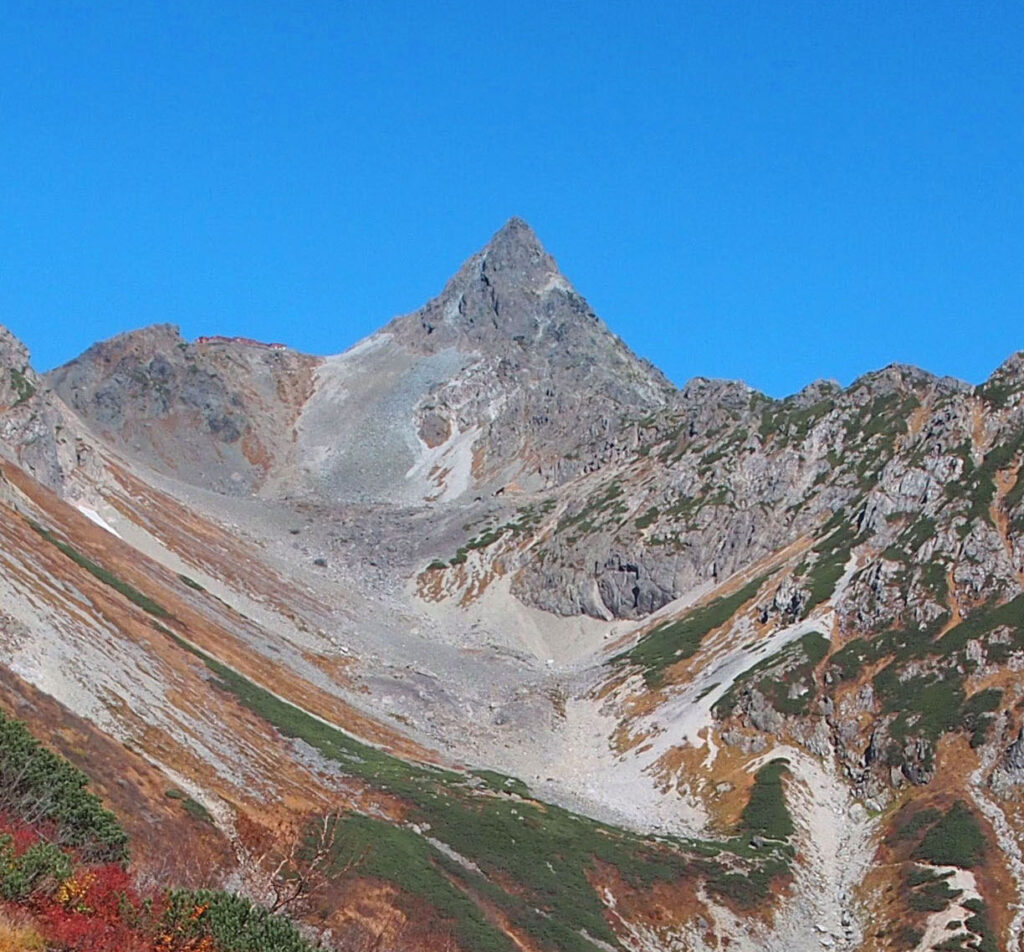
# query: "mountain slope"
[[583, 661]]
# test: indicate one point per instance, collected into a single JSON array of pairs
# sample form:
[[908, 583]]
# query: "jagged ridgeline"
[[482, 635]]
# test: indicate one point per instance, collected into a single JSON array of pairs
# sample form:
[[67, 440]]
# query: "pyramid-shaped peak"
[[515, 233], [511, 289], [516, 253], [510, 301]]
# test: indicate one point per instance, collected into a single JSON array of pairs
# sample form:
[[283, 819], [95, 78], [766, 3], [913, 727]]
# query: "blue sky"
[[768, 191]]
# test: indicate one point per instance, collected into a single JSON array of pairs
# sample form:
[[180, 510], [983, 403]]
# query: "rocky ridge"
[[490, 535]]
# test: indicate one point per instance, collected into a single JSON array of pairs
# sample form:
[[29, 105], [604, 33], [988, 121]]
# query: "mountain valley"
[[494, 639]]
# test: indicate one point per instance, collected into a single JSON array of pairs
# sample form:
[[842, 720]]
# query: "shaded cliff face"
[[583, 661], [17, 379], [36, 430]]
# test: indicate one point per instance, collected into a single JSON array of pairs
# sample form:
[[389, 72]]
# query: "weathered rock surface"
[[36, 429], [217, 412]]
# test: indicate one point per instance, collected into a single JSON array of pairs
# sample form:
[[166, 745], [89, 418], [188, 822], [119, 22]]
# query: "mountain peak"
[[510, 290], [534, 351], [515, 234], [515, 260], [511, 302]]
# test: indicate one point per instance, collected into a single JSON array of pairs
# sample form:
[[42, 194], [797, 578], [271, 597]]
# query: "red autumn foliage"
[[97, 909], [23, 836]]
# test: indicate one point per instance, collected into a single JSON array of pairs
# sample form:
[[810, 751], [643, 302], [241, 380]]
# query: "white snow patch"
[[93, 516]]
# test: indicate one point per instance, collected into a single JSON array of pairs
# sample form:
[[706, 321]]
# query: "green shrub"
[[766, 813], [673, 641], [192, 807], [793, 664], [104, 575], [980, 924], [43, 866], [907, 937], [22, 385], [955, 839], [399, 856], [926, 706], [909, 823], [37, 786], [933, 702], [647, 518], [233, 923], [929, 890], [832, 554]]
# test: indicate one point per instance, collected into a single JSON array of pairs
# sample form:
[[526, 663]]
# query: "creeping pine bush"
[[40, 867], [956, 839], [40, 788], [232, 923], [766, 813]]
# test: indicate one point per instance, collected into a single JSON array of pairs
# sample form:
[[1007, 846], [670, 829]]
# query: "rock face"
[[36, 430], [1015, 755], [726, 476], [18, 381], [551, 387], [219, 412]]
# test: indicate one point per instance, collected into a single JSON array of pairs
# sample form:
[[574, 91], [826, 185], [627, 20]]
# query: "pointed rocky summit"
[[499, 292], [511, 300]]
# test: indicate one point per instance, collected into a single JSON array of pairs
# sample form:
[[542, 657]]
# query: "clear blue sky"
[[770, 191]]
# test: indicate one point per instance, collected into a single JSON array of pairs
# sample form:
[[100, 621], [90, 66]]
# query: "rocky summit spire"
[[540, 375], [515, 251], [505, 292], [510, 302], [511, 291]]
